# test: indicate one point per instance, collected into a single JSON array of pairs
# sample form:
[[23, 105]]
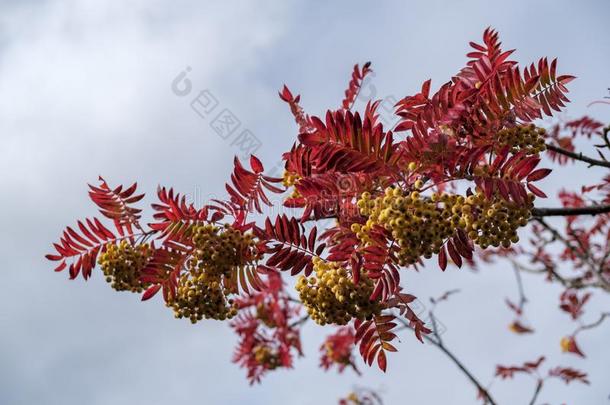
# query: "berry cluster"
[[266, 357], [420, 225], [289, 180], [494, 222], [122, 264], [332, 297], [200, 295], [204, 290], [218, 250], [265, 315], [527, 138]]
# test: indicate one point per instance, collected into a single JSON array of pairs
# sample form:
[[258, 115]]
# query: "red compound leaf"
[[115, 204], [346, 143], [174, 217], [550, 89], [268, 330], [374, 337], [81, 248], [301, 118], [505, 372], [571, 303], [336, 351], [162, 271], [379, 260], [585, 126], [402, 301], [247, 188], [329, 195], [287, 245], [568, 375], [355, 84]]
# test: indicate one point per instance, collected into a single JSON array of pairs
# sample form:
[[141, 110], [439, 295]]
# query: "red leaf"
[[536, 191], [150, 292], [382, 361], [61, 266], [538, 174], [455, 256], [442, 259], [256, 164]]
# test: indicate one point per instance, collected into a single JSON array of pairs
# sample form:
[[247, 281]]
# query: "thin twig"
[[522, 297], [482, 390], [580, 253], [578, 156], [594, 324], [537, 391], [576, 282], [299, 321], [435, 328]]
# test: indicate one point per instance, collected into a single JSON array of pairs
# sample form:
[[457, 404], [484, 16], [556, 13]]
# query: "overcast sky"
[[86, 89]]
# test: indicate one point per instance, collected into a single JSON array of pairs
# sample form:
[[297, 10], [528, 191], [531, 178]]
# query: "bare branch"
[[522, 297], [537, 391], [550, 212], [602, 317], [438, 343], [578, 156], [299, 321], [579, 252]]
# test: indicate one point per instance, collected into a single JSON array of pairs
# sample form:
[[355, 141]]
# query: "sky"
[[89, 88]]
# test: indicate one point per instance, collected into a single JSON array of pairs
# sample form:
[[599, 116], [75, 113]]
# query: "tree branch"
[[299, 321], [550, 212], [522, 297], [578, 156], [438, 343], [580, 253], [557, 236], [483, 391], [594, 324], [576, 282], [536, 392]]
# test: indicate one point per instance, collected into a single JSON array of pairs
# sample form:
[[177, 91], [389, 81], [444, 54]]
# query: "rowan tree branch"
[[522, 297], [554, 212], [536, 392], [439, 344], [575, 282], [578, 156], [299, 321], [603, 316], [581, 252]]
